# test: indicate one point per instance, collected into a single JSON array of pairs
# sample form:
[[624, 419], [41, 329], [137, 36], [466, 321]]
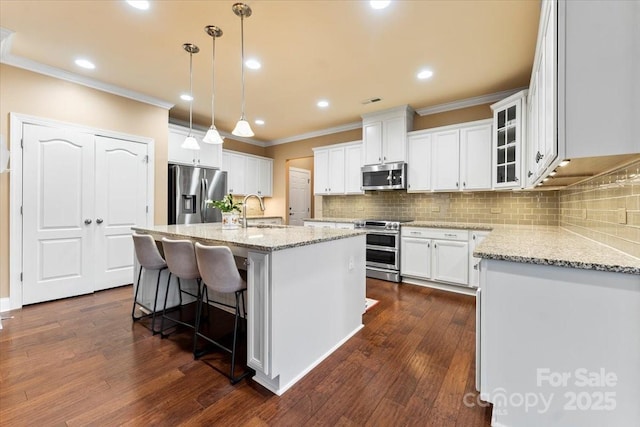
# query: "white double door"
[[82, 193]]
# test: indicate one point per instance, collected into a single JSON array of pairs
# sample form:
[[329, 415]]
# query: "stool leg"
[[135, 297], [198, 319], [164, 308], [235, 336], [155, 304]]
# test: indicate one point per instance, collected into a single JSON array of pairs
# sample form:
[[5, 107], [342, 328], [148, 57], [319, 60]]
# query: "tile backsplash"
[[495, 207], [606, 209]]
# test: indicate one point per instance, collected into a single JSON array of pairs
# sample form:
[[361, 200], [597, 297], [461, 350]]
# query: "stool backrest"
[[218, 268], [147, 252], [181, 258]]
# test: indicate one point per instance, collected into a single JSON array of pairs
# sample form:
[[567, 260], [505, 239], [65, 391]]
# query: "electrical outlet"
[[496, 210], [351, 264], [435, 208], [622, 216]]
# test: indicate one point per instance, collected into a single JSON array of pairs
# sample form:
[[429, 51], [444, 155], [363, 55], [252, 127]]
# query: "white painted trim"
[[16, 122], [293, 168], [315, 133], [182, 124], [27, 64], [451, 127], [458, 289], [5, 305], [469, 102], [224, 150]]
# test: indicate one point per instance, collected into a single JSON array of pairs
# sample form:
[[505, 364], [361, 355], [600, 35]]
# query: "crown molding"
[[316, 133], [469, 102], [204, 129], [27, 64]]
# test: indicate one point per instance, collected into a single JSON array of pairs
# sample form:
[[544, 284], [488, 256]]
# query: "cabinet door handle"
[[99, 221], [475, 266], [428, 245], [464, 184], [457, 186], [473, 237], [529, 174], [87, 221], [539, 156]]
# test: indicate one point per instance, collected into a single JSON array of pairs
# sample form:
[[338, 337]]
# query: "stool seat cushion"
[[218, 269], [181, 258], [147, 252]]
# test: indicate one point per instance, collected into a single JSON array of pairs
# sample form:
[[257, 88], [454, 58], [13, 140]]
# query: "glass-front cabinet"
[[508, 141]]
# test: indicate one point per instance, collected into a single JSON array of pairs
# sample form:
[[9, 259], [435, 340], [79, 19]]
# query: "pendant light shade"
[[190, 142], [213, 136], [242, 127]]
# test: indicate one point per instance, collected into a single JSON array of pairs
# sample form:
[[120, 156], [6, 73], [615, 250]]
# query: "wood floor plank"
[[81, 361]]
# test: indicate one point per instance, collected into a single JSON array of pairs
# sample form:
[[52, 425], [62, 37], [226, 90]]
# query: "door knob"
[[99, 221], [87, 221]]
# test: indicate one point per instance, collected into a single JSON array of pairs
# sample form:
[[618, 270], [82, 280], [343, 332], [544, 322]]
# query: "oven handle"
[[383, 232], [382, 248]]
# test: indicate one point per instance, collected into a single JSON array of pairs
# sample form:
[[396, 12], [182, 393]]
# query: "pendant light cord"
[[242, 59], [191, 93], [213, 80]]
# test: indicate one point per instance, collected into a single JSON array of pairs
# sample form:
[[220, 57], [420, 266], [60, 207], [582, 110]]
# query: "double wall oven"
[[383, 248]]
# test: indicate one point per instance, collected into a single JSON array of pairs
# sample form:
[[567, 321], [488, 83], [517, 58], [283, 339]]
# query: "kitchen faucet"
[[244, 208]]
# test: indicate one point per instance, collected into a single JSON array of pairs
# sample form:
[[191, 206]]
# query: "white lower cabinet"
[[435, 254], [329, 224], [475, 238], [450, 261]]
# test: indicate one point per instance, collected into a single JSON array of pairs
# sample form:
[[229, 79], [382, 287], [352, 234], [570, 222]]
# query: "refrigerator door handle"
[[202, 198]]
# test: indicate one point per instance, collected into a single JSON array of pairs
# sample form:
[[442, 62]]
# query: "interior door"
[[299, 195], [121, 203], [58, 203]]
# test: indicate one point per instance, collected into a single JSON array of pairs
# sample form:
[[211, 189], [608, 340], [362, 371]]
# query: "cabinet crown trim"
[[516, 96], [403, 109], [451, 127], [340, 145]]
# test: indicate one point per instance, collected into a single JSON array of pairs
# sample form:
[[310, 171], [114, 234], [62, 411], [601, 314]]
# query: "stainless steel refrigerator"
[[189, 187]]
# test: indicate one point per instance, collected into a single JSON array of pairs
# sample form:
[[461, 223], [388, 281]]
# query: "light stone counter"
[[346, 220], [546, 245], [266, 238]]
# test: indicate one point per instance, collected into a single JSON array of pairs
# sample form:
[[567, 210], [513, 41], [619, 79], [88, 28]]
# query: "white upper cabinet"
[[209, 155], [419, 166], [450, 158], [337, 169], [508, 142], [445, 163], [475, 157], [584, 84], [248, 174], [384, 135], [353, 169]]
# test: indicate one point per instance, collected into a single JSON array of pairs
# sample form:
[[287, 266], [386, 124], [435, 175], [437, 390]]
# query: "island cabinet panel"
[[259, 323], [569, 335]]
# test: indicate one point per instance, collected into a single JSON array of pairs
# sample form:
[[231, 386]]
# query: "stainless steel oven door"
[[384, 239], [382, 257]]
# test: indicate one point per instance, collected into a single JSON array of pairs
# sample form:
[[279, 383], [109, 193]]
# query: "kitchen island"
[[305, 289], [558, 329]]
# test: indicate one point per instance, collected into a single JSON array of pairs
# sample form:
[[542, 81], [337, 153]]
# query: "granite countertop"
[[347, 220], [547, 245], [452, 225], [266, 238]]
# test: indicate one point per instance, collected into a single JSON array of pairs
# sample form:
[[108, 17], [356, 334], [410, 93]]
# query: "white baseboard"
[[5, 304]]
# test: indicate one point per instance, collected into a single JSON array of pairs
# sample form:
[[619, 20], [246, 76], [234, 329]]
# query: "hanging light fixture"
[[213, 136], [242, 127], [190, 142]]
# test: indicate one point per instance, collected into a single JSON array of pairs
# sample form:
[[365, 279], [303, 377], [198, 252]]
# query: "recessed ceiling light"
[[323, 103], [186, 97], [259, 122], [139, 4], [379, 4], [425, 74], [253, 64], [85, 63]]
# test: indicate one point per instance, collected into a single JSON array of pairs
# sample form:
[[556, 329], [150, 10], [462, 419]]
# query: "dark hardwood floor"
[[81, 361]]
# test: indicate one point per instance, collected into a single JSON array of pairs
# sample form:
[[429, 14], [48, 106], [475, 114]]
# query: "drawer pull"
[[450, 235]]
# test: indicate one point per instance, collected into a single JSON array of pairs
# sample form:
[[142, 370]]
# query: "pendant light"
[[190, 142], [213, 136], [242, 127]]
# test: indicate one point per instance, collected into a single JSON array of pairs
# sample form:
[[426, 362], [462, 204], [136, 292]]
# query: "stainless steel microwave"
[[389, 176]]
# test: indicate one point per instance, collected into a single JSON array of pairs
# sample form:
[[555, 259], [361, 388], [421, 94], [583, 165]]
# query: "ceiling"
[[341, 51]]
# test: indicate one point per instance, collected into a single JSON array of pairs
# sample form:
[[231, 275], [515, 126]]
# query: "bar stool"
[[181, 261], [220, 274], [149, 258]]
